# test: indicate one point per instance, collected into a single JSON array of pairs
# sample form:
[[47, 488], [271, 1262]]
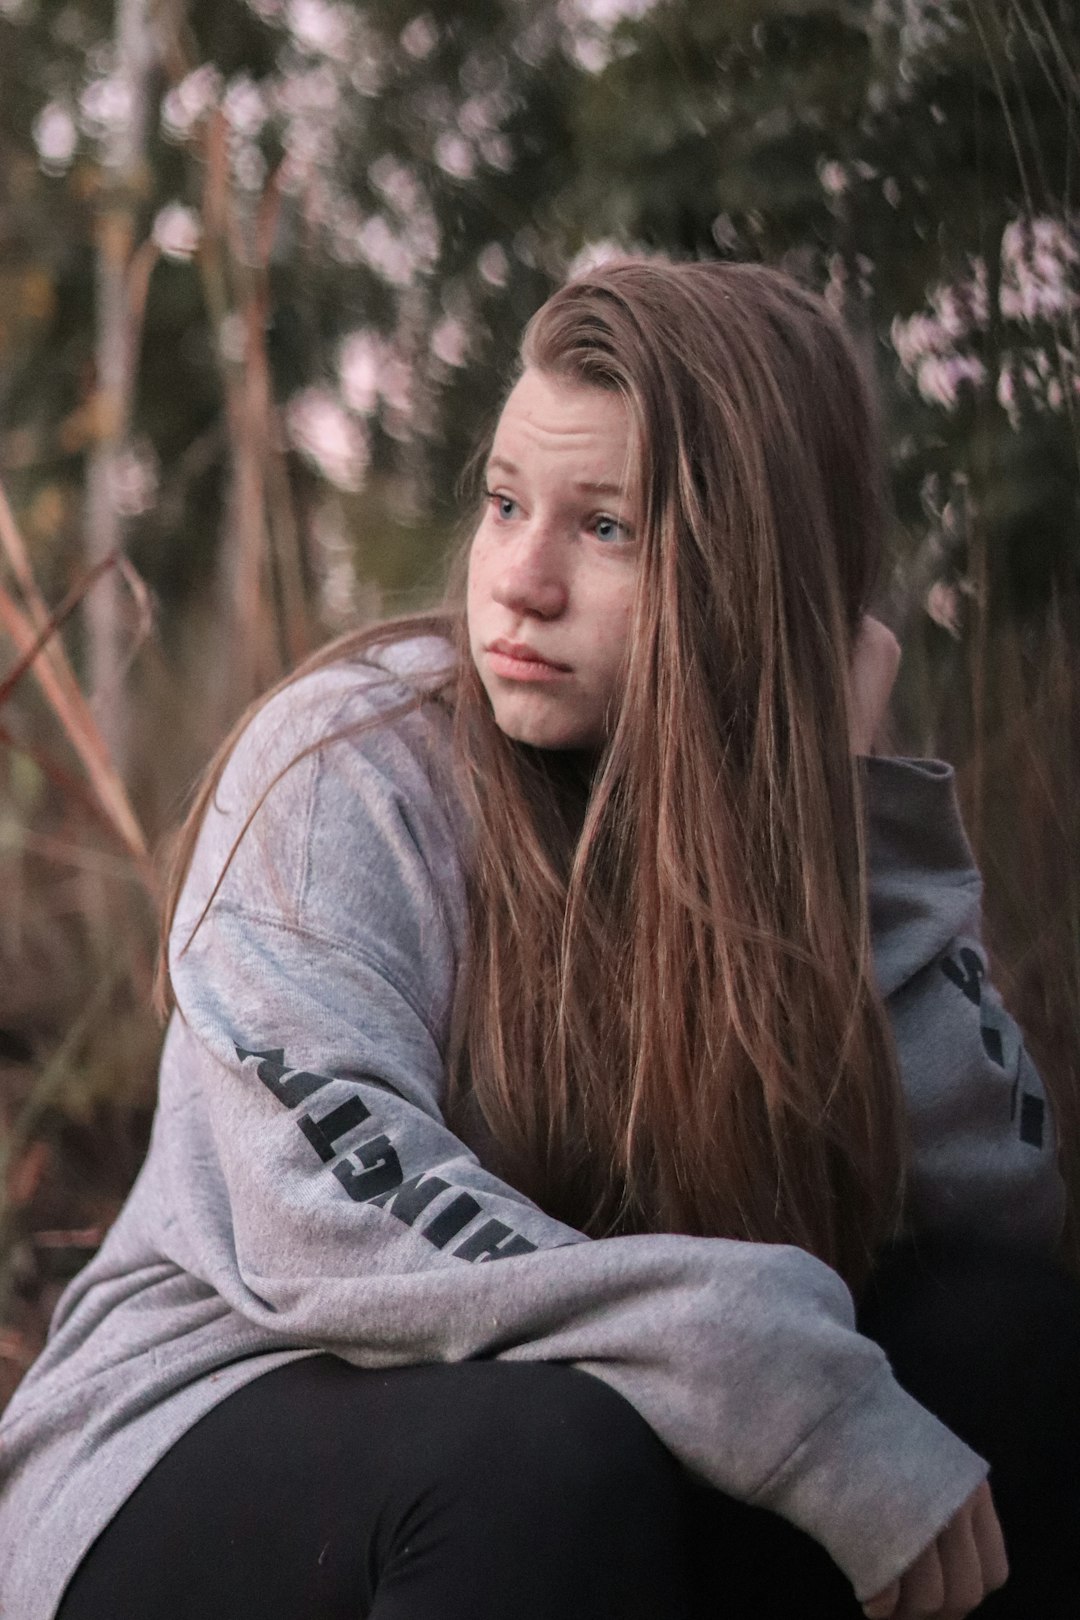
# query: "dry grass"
[[76, 1040]]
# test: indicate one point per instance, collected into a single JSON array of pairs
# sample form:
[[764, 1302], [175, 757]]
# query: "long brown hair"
[[668, 1019]]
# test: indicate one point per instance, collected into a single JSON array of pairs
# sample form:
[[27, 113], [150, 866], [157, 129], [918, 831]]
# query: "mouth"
[[518, 661], [519, 653]]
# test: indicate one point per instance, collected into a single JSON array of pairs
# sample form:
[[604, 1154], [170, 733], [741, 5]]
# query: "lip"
[[521, 659]]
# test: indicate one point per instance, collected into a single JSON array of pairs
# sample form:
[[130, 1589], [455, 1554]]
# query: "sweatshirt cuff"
[[875, 1483]]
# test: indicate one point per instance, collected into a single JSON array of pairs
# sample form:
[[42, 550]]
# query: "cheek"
[[475, 587], [614, 628]]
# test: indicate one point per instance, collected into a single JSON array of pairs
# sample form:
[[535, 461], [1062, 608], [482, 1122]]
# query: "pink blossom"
[[493, 265], [328, 437], [1038, 270], [134, 479], [915, 338], [395, 383], [396, 182], [369, 370], [608, 13], [1006, 391], [450, 341], [943, 606], [482, 114], [105, 106], [455, 155], [419, 37], [385, 251], [245, 106], [248, 165], [833, 177], [318, 27], [939, 377], [594, 254], [55, 137], [359, 361], [497, 152], [188, 103], [177, 231]]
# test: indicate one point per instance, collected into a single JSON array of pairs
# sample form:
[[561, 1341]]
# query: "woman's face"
[[554, 561]]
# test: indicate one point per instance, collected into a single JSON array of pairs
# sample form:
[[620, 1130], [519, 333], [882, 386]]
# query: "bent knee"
[[552, 1433]]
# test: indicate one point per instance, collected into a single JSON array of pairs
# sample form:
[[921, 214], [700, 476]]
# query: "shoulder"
[[310, 710], [332, 763], [359, 711]]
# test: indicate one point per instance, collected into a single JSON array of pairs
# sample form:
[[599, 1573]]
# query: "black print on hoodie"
[[966, 968], [372, 1173]]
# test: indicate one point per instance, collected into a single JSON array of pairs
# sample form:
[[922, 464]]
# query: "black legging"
[[510, 1491]]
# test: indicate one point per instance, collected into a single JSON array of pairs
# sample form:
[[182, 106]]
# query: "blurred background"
[[263, 264]]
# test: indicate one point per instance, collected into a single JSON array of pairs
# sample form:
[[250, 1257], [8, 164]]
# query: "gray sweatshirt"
[[302, 1192]]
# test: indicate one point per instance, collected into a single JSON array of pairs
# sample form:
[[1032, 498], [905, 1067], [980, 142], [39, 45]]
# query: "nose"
[[531, 578]]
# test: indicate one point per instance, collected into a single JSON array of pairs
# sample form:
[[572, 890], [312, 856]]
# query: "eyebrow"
[[586, 486]]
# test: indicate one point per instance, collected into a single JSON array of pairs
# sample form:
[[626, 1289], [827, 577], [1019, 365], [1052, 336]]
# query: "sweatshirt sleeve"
[[983, 1148], [315, 1186]]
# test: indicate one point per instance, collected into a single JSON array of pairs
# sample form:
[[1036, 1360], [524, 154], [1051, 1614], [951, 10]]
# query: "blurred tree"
[[914, 160], [366, 203], [332, 211]]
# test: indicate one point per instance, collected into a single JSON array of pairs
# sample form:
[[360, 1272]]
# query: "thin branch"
[[1003, 100], [53, 624], [73, 713], [1035, 43], [1068, 72]]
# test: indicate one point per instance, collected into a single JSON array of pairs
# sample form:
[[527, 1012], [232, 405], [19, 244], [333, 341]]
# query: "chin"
[[543, 732], [539, 736]]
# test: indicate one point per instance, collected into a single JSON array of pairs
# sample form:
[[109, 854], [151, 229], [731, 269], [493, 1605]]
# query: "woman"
[[571, 929]]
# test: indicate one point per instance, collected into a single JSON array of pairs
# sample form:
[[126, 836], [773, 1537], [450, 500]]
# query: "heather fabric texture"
[[302, 1192]]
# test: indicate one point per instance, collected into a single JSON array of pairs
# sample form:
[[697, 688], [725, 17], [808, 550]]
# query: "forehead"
[[550, 419]]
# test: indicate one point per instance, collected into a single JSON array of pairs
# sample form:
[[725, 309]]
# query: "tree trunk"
[[123, 186]]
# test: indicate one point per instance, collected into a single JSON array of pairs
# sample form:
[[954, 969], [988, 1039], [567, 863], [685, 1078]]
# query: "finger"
[[922, 1589], [883, 1604], [961, 1567], [986, 1528]]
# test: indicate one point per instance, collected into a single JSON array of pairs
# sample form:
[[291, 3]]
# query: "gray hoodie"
[[302, 1192]]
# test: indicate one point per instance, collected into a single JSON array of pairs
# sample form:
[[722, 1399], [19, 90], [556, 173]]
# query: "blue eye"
[[503, 504], [609, 528]]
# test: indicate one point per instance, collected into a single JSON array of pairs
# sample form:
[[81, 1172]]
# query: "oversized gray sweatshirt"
[[302, 1192]]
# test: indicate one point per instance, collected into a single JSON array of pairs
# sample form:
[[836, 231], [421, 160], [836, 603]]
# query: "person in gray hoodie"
[[582, 1056]]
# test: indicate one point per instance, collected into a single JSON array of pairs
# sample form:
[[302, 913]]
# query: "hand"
[[875, 660], [953, 1575]]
